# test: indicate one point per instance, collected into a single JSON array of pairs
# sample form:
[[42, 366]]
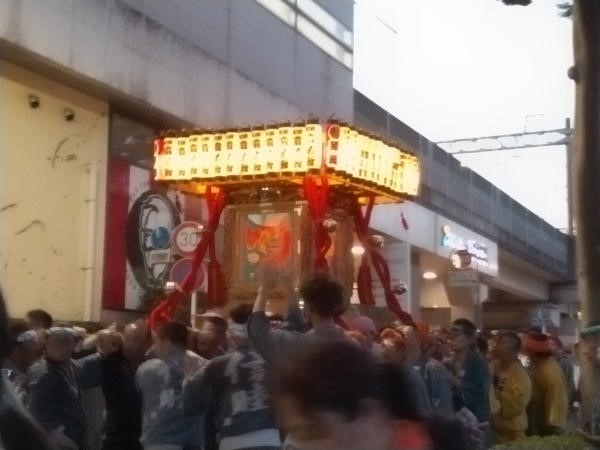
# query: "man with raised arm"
[[324, 300]]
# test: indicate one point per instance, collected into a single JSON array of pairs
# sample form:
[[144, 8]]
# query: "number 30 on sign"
[[186, 237]]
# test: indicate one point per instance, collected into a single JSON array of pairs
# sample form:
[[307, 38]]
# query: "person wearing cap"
[[548, 409], [511, 390], [469, 375], [231, 390], [55, 384], [23, 353], [590, 336]]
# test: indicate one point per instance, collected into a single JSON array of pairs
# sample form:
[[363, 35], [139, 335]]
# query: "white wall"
[[51, 247], [421, 224]]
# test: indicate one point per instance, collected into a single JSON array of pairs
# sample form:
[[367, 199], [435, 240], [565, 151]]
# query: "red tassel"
[[364, 284], [216, 284], [316, 197]]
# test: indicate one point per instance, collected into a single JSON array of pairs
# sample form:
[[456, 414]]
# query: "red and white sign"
[[186, 237]]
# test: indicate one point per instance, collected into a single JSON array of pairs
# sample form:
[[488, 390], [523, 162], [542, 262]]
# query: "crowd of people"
[[309, 380]]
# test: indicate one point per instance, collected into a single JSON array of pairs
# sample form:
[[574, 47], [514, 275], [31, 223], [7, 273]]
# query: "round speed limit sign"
[[186, 237]]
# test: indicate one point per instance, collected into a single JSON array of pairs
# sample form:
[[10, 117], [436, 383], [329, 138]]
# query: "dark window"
[[132, 140]]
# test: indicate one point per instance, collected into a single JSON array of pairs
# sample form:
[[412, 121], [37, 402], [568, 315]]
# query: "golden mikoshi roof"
[[355, 162]]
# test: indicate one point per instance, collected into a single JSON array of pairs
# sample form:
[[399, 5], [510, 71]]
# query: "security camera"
[[34, 101], [69, 114]]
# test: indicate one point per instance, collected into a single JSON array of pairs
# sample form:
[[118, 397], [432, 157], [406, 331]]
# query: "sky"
[[455, 69]]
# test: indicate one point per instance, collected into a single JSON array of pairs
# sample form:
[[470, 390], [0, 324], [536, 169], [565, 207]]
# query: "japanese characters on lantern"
[[257, 155], [219, 155], [244, 153], [272, 153], [313, 141], [348, 151], [194, 155], [285, 149], [180, 157], [167, 159], [207, 170], [332, 139], [232, 155], [287, 152]]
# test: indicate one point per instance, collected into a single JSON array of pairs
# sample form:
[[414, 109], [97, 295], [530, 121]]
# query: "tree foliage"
[[565, 7], [517, 2]]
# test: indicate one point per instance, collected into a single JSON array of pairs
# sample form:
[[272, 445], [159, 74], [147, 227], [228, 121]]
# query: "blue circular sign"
[[161, 238], [180, 270]]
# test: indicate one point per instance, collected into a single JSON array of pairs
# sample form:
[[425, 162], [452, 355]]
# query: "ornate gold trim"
[[239, 290]]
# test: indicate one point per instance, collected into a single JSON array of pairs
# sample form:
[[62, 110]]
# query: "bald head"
[[135, 340]]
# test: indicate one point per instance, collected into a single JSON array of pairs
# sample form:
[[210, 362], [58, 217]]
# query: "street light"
[[358, 250]]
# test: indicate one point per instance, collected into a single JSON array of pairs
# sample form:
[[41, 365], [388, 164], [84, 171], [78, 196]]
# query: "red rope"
[[364, 281], [166, 308], [317, 198], [364, 286]]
